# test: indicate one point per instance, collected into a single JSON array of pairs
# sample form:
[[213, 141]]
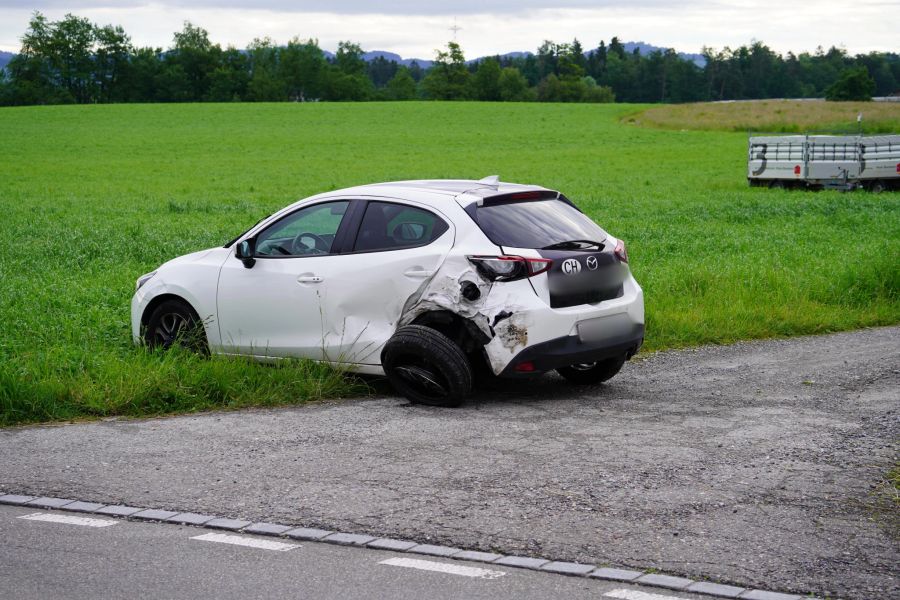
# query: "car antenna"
[[491, 180]]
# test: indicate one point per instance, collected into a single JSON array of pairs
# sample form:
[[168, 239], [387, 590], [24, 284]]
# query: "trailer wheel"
[[777, 184], [877, 186]]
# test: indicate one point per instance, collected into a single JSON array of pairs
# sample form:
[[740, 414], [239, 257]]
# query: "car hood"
[[188, 258]]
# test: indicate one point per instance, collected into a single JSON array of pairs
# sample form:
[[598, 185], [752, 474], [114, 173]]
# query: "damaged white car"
[[426, 282]]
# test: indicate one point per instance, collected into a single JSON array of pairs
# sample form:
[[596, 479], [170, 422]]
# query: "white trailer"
[[842, 162]]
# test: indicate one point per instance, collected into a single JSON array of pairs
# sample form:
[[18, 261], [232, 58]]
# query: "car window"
[[536, 224], [308, 231], [389, 226]]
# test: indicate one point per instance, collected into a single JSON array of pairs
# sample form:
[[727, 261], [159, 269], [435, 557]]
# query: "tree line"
[[76, 61]]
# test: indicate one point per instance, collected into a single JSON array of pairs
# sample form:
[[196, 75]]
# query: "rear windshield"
[[536, 224]]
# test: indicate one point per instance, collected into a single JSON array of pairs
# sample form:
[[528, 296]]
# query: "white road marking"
[[427, 565], [237, 540], [637, 595], [69, 519]]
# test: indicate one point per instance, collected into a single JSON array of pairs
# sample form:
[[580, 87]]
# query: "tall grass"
[[94, 196], [775, 116]]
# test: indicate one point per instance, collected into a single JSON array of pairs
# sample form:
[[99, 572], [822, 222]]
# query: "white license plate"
[[593, 330]]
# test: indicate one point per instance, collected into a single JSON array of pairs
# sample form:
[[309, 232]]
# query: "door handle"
[[309, 279], [419, 273]]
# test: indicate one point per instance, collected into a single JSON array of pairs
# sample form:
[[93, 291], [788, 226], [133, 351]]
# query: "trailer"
[[842, 162]]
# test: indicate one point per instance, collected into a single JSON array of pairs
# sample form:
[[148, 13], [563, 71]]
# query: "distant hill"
[[5, 57], [390, 56], [645, 49]]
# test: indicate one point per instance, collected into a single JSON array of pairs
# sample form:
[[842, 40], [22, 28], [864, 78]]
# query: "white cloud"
[[497, 27]]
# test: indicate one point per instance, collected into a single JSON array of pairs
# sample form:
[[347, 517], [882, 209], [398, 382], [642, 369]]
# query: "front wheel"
[[173, 323], [427, 367], [592, 373]]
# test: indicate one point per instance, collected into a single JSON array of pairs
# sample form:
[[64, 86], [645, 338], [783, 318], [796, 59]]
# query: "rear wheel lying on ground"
[[172, 323], [590, 373], [427, 367]]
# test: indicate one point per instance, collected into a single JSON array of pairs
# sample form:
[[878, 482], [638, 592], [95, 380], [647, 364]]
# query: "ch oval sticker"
[[571, 266]]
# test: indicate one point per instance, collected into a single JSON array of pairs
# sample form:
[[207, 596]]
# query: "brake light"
[[620, 251], [509, 268], [525, 196]]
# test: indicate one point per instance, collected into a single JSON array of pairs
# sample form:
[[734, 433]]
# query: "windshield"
[[536, 224]]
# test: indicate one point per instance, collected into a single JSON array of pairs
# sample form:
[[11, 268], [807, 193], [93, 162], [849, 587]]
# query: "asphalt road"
[[41, 560], [754, 464]]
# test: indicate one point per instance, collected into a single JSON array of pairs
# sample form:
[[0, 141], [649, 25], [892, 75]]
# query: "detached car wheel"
[[175, 323], [592, 373], [427, 367]]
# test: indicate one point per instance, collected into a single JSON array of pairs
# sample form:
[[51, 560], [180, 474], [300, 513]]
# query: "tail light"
[[509, 268], [620, 251]]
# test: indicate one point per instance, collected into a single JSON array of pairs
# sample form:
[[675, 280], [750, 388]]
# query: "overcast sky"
[[414, 29]]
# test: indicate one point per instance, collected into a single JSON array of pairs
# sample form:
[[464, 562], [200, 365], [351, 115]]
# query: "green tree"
[[230, 80], [513, 85], [71, 46], [137, 82], [111, 58], [401, 86], [448, 78], [302, 67], [596, 93], [265, 85], [853, 84], [349, 59], [486, 81], [172, 85], [197, 57]]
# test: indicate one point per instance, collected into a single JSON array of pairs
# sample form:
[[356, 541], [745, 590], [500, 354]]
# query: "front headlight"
[[143, 279]]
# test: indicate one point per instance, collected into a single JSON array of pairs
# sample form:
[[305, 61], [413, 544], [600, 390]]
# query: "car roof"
[[433, 189]]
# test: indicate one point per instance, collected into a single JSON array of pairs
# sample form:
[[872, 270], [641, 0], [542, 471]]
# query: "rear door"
[[392, 250]]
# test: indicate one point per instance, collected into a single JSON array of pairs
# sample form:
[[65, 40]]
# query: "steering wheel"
[[319, 246]]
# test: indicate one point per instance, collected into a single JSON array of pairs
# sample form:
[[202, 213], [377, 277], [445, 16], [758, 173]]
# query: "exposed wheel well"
[[462, 331]]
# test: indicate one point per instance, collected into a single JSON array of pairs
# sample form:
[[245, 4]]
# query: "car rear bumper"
[[570, 350]]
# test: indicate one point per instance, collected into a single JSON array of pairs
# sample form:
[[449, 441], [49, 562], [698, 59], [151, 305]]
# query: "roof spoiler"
[[520, 196]]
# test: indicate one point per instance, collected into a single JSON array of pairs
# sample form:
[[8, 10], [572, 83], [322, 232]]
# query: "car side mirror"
[[244, 252]]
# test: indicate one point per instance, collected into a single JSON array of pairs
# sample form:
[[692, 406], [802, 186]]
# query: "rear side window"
[[536, 224], [389, 226]]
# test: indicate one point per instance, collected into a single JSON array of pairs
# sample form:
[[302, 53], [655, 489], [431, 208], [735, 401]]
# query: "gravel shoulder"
[[755, 464]]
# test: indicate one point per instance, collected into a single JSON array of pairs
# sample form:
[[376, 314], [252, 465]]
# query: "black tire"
[[592, 373], [174, 322], [427, 367], [877, 186]]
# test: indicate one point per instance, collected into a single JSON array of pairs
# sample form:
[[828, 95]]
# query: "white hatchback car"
[[426, 282]]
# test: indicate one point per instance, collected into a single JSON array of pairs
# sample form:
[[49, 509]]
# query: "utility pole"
[[455, 29]]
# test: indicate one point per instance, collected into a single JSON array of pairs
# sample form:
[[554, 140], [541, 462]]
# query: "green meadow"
[[94, 196]]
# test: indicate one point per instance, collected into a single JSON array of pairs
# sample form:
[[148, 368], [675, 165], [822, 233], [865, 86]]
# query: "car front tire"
[[174, 322], [427, 367], [592, 373]]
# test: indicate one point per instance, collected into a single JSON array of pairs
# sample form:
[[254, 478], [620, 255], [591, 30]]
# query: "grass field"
[[774, 116], [94, 196]]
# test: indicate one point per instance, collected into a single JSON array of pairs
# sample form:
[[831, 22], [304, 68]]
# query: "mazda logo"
[[592, 263]]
